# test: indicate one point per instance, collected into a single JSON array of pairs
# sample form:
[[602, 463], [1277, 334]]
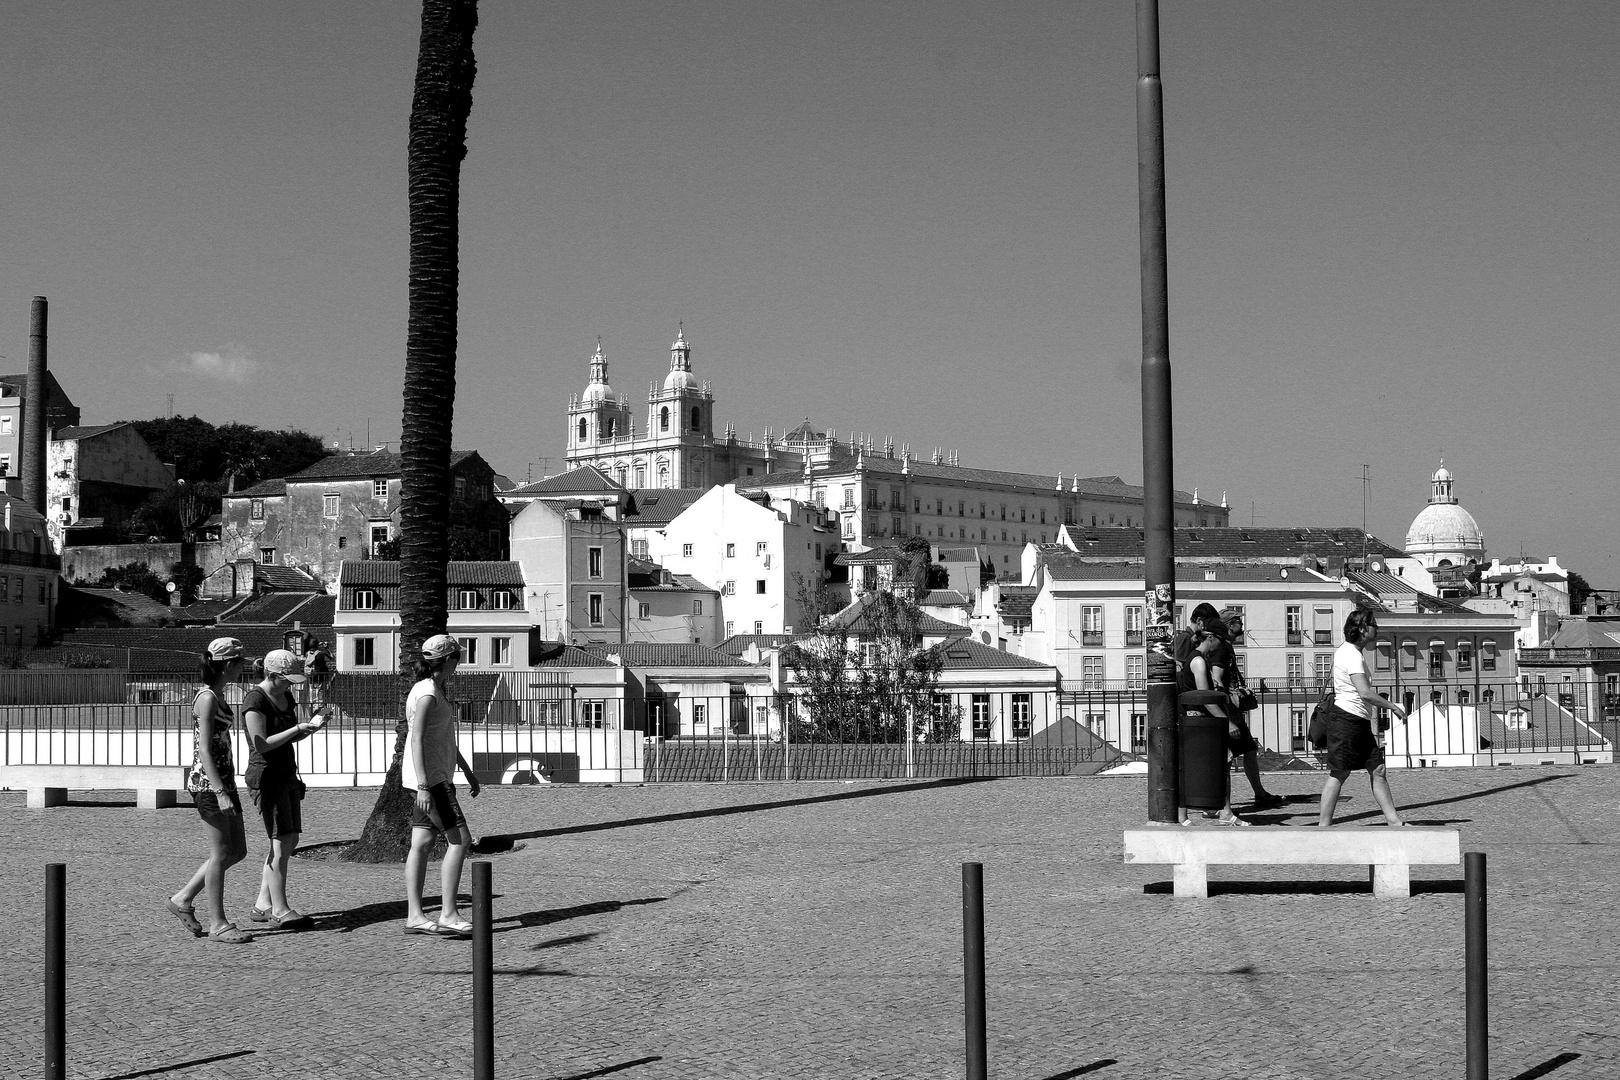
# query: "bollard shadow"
[[1458, 798], [497, 842], [571, 939], [1546, 1067], [546, 917], [1082, 1070], [610, 1069], [159, 1070], [1302, 888]]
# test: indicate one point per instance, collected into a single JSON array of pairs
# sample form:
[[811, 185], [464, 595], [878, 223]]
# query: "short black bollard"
[[1478, 1006], [56, 971], [483, 977], [973, 967]]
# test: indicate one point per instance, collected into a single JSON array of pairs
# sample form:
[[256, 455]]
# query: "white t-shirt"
[[1348, 661], [438, 738]]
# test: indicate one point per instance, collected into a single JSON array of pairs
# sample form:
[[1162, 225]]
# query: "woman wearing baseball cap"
[[212, 783], [270, 714], [429, 768]]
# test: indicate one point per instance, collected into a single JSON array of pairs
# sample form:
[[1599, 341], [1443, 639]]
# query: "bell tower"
[[599, 423], [680, 422]]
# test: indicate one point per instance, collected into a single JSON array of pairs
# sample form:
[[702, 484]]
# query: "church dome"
[[680, 379], [680, 365], [1444, 533], [598, 391]]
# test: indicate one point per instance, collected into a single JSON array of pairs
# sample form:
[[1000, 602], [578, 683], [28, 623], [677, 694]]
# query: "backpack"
[[1317, 734]]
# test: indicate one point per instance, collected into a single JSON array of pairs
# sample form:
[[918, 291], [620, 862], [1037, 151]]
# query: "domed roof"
[[597, 391], [1444, 528], [1441, 475], [680, 379], [680, 364]]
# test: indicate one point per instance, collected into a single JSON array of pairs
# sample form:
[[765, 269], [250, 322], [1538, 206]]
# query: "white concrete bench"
[[1391, 853], [155, 786]]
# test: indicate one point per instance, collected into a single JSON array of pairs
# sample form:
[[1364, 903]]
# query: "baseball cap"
[[440, 646], [224, 648], [283, 663]]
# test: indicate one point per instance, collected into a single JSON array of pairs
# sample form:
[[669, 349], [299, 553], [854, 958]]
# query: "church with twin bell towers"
[[675, 446]]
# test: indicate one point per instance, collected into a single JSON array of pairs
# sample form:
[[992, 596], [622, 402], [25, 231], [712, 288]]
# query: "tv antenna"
[[1366, 496]]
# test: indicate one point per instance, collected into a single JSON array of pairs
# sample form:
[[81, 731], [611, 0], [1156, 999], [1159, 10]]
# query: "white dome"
[[1445, 529], [1441, 474], [680, 379], [596, 392]]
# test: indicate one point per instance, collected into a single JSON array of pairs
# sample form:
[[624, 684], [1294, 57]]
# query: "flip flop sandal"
[[260, 915], [427, 929], [188, 916], [229, 935], [1234, 822], [458, 930]]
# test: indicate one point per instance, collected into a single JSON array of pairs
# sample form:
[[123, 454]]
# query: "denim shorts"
[[446, 813], [229, 824], [280, 809]]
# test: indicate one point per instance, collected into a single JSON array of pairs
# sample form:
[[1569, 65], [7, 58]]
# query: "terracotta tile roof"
[[1229, 543], [645, 654], [555, 654], [378, 463], [1587, 634], [386, 572], [1017, 602], [86, 431], [282, 578], [966, 653], [1549, 725], [871, 557], [652, 507], [943, 598], [1064, 566], [737, 644], [310, 610], [854, 619], [264, 489], [587, 479], [1103, 486]]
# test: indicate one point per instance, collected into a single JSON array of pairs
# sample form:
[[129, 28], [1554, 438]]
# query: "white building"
[[751, 549], [486, 615]]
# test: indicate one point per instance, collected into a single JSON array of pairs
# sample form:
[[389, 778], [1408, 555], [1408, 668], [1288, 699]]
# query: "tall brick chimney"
[[34, 435]]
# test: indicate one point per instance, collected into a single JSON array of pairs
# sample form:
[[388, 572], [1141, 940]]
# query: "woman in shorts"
[[212, 783], [428, 768], [1351, 743], [270, 714]]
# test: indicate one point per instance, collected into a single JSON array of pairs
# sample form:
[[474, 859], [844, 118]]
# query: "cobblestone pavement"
[[813, 930]]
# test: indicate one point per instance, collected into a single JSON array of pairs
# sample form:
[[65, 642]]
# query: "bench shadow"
[[1302, 888], [1546, 1067], [496, 842], [193, 1063], [1082, 1070]]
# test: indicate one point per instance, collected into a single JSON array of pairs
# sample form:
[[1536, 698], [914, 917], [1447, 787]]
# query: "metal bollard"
[[1478, 1006], [973, 967], [56, 971], [483, 977]]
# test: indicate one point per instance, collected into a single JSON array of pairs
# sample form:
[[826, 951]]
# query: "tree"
[[816, 600], [440, 104], [920, 566], [204, 454], [880, 690], [1579, 590]]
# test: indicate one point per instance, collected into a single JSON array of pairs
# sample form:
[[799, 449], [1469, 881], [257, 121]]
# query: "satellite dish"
[[1344, 581], [170, 586]]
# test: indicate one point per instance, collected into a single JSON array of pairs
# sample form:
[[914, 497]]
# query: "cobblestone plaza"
[[813, 930]]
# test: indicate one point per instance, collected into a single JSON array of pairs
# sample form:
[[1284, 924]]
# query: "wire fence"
[[538, 729]]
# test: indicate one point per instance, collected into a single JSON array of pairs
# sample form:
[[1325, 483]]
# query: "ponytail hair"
[[211, 671], [427, 669], [258, 669]]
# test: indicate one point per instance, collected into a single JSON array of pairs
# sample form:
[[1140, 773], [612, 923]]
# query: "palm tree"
[[445, 68]]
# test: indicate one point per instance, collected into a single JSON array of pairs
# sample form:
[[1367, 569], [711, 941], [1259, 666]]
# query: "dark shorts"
[[280, 808], [1243, 742], [1350, 742], [229, 825], [446, 814]]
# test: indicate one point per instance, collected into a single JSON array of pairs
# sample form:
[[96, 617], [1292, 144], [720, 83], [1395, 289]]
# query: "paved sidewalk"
[[821, 937]]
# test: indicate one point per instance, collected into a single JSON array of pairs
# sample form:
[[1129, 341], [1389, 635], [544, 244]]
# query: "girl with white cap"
[[212, 783], [428, 768]]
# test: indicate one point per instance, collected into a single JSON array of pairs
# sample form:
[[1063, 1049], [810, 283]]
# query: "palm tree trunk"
[[445, 68]]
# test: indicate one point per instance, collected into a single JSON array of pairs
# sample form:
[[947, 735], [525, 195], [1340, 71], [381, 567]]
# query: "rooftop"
[[376, 464], [1230, 543], [386, 572], [652, 654]]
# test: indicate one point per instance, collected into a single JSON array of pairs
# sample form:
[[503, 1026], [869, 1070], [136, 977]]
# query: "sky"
[[1393, 233]]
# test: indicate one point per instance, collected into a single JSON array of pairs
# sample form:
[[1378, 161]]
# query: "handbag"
[[1317, 734]]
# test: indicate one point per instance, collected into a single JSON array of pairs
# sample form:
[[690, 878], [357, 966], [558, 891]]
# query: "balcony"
[[1132, 638], [1091, 638], [1323, 637], [1295, 637]]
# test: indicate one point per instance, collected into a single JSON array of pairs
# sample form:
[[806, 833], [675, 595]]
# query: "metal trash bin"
[[1205, 775]]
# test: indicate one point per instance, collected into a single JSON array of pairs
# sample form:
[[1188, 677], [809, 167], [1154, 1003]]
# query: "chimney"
[[33, 421]]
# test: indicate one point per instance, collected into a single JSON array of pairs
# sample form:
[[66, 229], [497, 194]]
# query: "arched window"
[[582, 429], [663, 418], [663, 472], [612, 428], [697, 419]]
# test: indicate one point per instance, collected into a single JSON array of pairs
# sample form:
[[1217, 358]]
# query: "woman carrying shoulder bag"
[[1351, 744], [271, 716]]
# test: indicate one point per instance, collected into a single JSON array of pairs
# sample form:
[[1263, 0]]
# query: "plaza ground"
[[813, 930]]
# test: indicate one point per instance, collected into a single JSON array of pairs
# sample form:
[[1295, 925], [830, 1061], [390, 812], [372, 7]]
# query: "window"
[[502, 600], [1135, 668], [759, 626], [267, 556], [697, 419], [1322, 626], [1487, 656], [365, 599], [916, 505], [896, 526], [759, 587], [981, 716], [610, 429], [1383, 656], [1133, 624], [1091, 673], [871, 499], [1020, 716], [1138, 732], [700, 715], [686, 551], [1409, 653], [379, 489], [1465, 656], [5, 425], [329, 506], [1296, 727], [849, 498], [379, 536], [1091, 624], [256, 509], [17, 598], [663, 421], [365, 652], [1296, 625], [729, 627], [467, 599], [583, 428], [1323, 663], [42, 590], [641, 475], [697, 607], [1437, 660], [643, 611], [849, 527], [728, 589], [67, 504], [591, 714], [343, 542], [500, 651], [593, 562], [469, 650], [961, 509], [594, 608], [5, 591], [731, 551], [1296, 669]]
